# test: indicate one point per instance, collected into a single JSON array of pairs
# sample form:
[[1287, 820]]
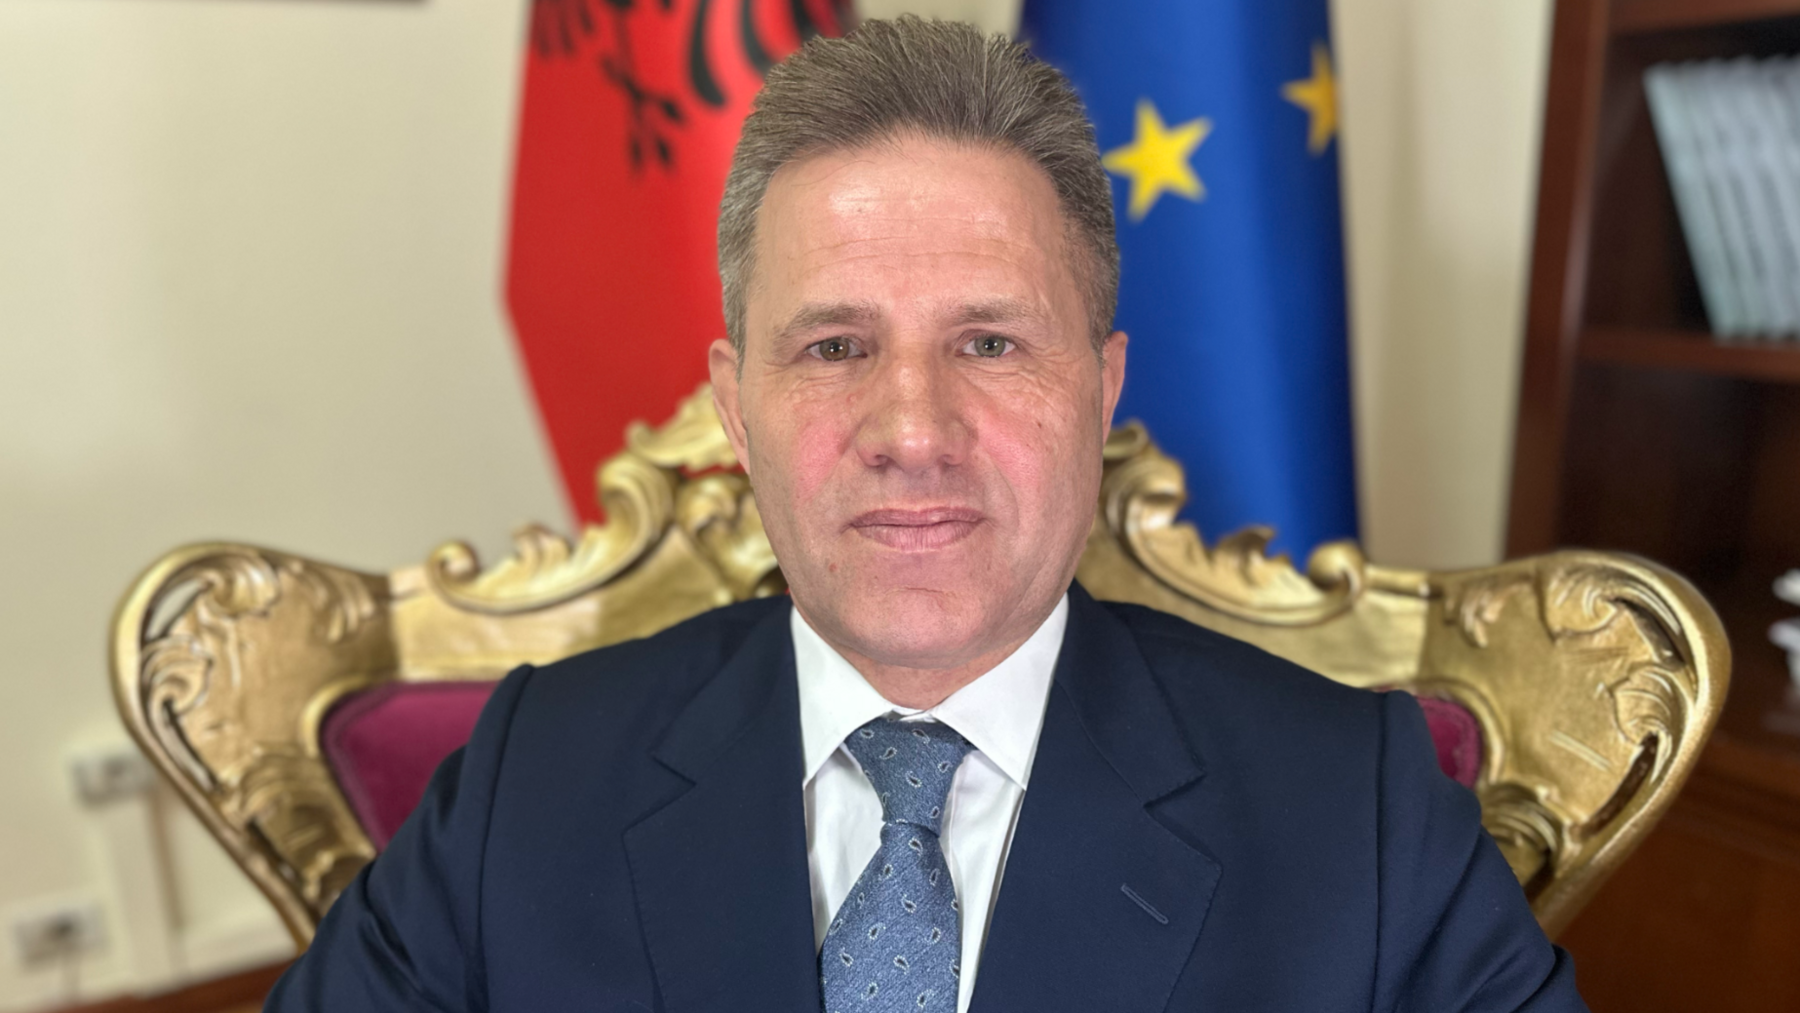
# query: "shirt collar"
[[1000, 713]]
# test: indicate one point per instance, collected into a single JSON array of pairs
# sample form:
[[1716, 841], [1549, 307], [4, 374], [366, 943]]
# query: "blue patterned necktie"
[[895, 945]]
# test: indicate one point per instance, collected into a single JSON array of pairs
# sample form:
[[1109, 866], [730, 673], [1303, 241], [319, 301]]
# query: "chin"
[[915, 627]]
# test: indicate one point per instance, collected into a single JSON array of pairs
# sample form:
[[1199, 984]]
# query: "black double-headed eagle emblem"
[[572, 29]]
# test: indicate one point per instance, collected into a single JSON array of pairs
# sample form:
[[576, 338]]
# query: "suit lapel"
[[720, 872], [1100, 905]]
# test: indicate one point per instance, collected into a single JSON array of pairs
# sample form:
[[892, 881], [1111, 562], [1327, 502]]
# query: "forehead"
[[912, 216]]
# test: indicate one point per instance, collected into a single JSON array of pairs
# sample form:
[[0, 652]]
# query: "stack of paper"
[[1730, 137], [1785, 634]]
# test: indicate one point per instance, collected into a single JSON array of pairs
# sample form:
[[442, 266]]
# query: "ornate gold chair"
[[1572, 691]]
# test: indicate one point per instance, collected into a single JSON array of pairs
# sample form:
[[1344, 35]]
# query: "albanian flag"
[[631, 111]]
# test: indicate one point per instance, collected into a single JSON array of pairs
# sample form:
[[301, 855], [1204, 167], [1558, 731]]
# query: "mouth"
[[917, 530]]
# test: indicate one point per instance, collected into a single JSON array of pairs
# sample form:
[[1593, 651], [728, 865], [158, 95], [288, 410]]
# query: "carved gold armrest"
[[224, 658]]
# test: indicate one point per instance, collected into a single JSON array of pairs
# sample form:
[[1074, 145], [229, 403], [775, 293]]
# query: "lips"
[[917, 530]]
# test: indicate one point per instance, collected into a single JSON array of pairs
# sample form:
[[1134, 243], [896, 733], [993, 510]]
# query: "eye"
[[834, 349], [988, 346]]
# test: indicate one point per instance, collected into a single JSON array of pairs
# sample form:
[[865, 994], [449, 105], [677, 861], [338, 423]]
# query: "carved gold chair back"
[[1594, 677]]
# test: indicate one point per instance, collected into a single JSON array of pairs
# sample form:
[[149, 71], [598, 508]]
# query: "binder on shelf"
[[1694, 199], [1730, 137], [1750, 136], [1779, 161], [1699, 85]]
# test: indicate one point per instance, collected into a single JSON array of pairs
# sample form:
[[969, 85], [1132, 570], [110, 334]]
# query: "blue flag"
[[1217, 120]]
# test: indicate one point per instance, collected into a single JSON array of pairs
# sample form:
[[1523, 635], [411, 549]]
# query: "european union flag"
[[1217, 120]]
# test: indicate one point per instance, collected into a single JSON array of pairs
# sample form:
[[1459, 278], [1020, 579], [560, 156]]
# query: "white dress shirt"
[[1000, 714]]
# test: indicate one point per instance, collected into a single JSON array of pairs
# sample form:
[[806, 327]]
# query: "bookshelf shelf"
[[1661, 15], [1694, 351], [1639, 432]]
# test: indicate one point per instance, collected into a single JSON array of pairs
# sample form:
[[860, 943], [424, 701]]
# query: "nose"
[[916, 419]]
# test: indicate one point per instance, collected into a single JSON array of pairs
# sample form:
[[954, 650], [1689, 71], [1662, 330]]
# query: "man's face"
[[919, 407]]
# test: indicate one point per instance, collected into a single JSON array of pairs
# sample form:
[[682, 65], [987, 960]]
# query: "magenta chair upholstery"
[[384, 743]]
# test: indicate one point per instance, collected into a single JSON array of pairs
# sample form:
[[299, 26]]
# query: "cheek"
[[1041, 448], [813, 439]]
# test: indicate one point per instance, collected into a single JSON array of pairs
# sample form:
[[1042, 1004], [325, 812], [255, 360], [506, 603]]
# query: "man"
[[940, 776]]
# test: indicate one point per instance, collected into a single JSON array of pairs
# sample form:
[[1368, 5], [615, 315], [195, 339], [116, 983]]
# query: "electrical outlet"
[[110, 772], [48, 933]]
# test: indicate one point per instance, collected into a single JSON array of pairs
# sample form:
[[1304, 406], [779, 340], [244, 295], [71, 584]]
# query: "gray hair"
[[942, 79]]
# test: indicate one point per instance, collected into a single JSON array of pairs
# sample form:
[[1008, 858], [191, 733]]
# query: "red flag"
[[631, 111]]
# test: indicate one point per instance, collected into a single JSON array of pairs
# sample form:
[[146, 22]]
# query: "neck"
[[924, 688]]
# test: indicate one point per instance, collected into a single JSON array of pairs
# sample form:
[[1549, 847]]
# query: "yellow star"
[[1318, 96], [1157, 159]]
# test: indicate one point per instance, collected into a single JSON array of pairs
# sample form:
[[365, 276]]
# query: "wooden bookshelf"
[[1637, 431]]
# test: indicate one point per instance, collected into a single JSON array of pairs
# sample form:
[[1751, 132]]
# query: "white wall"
[[249, 275], [1441, 101]]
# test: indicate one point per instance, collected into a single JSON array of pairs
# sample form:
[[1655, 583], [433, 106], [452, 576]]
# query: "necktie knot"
[[911, 765]]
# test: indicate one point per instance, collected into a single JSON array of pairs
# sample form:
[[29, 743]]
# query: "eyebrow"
[[999, 310], [835, 314]]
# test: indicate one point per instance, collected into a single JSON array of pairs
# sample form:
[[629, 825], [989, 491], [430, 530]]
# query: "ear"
[[1112, 376], [722, 361]]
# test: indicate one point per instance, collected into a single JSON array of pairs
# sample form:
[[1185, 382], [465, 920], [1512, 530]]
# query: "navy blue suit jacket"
[[1208, 828]]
